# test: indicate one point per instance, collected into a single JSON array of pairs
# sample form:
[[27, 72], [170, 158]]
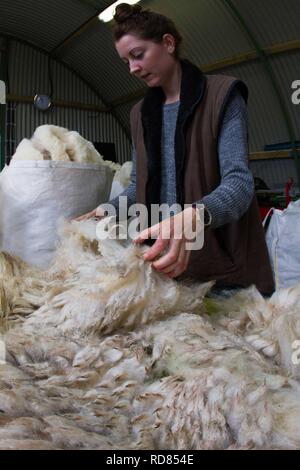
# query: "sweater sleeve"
[[230, 200], [130, 191]]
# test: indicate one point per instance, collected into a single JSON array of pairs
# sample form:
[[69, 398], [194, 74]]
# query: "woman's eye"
[[139, 56]]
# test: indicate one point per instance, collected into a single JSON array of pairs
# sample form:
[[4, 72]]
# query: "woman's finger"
[[159, 246], [170, 259], [177, 268], [181, 266], [148, 233]]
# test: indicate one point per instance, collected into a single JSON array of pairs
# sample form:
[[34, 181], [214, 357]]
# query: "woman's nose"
[[134, 68]]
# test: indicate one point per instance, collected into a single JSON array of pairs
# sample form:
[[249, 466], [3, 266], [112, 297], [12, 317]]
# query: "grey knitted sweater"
[[230, 200]]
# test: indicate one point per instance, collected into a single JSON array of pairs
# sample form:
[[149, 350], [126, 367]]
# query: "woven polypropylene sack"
[[283, 241], [35, 195]]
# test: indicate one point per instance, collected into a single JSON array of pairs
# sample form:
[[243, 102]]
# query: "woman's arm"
[[231, 199]]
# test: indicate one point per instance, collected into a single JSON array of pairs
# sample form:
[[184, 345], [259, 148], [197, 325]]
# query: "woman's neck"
[[172, 87]]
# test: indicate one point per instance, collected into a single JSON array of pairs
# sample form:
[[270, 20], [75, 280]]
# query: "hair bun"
[[124, 12]]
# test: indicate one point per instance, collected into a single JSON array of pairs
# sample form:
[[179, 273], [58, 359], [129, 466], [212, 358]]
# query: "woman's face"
[[149, 61]]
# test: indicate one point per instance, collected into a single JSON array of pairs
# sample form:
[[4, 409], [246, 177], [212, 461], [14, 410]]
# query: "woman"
[[190, 147]]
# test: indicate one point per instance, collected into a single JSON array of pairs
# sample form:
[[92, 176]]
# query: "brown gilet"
[[236, 253]]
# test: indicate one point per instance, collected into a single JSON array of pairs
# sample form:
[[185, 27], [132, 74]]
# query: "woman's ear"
[[169, 42]]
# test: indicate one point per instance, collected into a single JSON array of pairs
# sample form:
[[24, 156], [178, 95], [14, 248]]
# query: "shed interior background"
[[62, 49]]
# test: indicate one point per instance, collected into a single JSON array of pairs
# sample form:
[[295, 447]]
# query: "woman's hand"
[[170, 251], [98, 213]]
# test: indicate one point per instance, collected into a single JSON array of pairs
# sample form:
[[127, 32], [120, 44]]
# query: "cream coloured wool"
[[121, 181], [56, 143], [271, 326], [120, 290], [118, 356], [214, 391], [21, 289], [26, 151], [123, 175]]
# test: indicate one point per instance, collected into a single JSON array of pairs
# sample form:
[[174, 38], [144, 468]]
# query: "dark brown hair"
[[146, 24]]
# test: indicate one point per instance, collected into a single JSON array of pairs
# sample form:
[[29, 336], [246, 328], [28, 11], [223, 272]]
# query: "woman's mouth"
[[146, 76]]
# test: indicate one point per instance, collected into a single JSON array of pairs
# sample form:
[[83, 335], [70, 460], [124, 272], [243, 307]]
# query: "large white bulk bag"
[[36, 194], [283, 241]]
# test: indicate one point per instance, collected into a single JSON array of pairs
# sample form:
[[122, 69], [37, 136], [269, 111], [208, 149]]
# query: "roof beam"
[[75, 34], [252, 55], [271, 155], [82, 28], [60, 103]]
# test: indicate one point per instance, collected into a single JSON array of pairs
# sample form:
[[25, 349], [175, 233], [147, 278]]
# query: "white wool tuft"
[[123, 175], [26, 151], [56, 143], [271, 326]]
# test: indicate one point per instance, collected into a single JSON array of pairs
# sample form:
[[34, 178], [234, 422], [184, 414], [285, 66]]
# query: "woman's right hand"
[[97, 213]]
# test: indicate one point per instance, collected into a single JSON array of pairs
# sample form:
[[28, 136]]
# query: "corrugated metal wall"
[[287, 69], [275, 173], [43, 22], [271, 21], [208, 30], [111, 72], [28, 75], [211, 33], [266, 122]]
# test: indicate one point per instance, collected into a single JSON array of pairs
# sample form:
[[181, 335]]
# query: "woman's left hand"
[[172, 236]]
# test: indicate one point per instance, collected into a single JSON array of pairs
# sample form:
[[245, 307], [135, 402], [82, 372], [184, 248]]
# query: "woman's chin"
[[152, 83]]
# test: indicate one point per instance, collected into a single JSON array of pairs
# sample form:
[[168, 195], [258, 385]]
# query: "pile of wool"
[[271, 326], [22, 289], [119, 356], [109, 282], [59, 144]]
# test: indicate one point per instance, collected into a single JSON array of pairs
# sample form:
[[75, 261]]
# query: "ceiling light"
[[108, 14]]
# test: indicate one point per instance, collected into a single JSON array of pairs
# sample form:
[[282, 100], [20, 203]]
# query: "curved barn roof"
[[257, 41]]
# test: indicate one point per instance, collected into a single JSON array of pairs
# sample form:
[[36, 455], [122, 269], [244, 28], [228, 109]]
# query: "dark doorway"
[[107, 150]]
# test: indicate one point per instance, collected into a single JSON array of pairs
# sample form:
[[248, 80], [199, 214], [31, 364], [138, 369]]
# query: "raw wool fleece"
[[271, 326], [121, 181], [21, 289], [119, 356], [123, 175], [57, 143]]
